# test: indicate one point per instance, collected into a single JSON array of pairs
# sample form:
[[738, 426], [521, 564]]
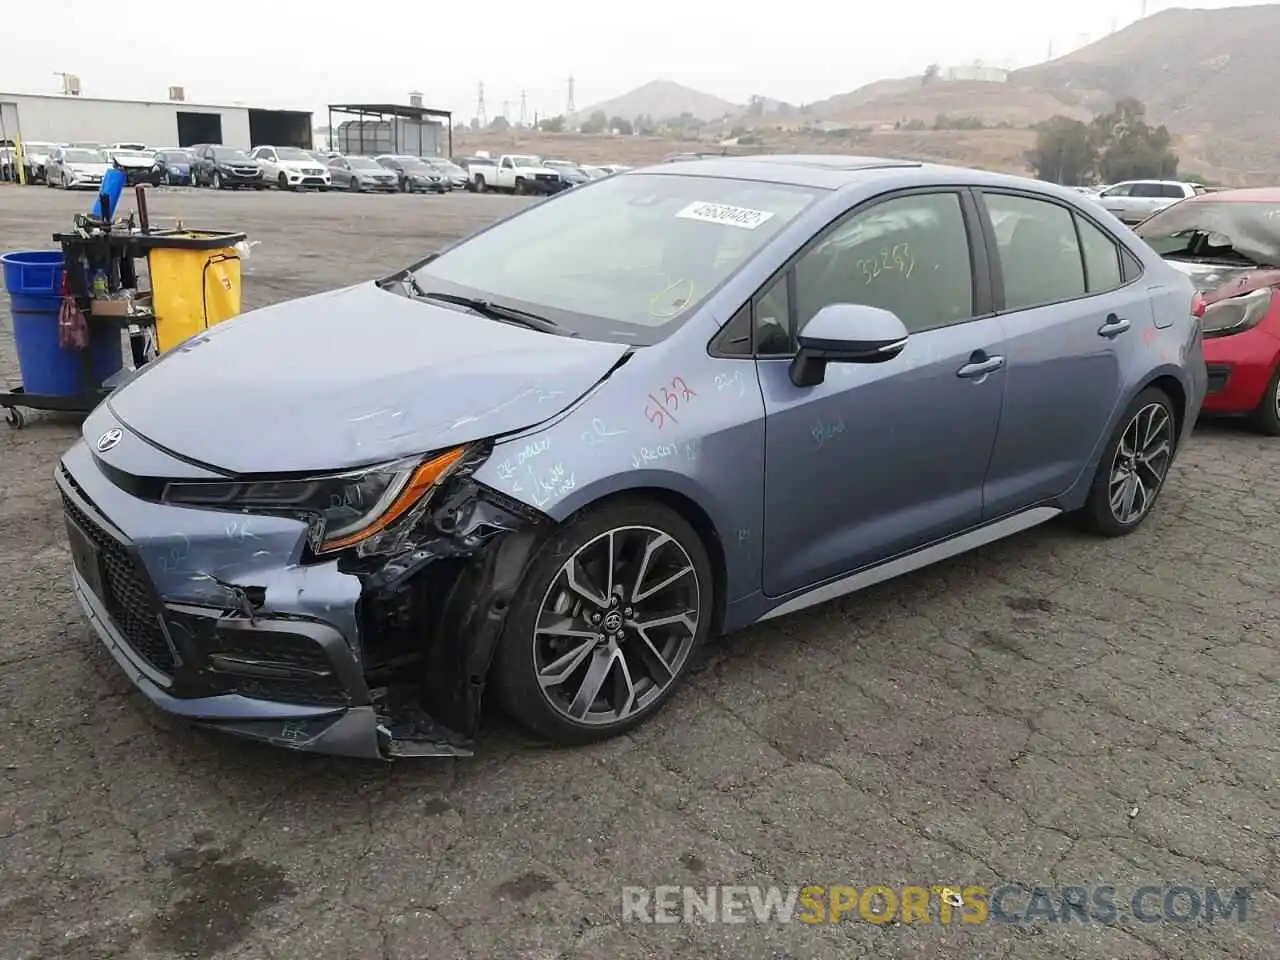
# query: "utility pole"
[[570, 108], [481, 115], [524, 108]]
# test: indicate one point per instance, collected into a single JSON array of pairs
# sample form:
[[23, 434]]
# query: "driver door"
[[880, 458]]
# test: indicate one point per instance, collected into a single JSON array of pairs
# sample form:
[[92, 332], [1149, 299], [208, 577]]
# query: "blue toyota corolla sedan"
[[554, 458]]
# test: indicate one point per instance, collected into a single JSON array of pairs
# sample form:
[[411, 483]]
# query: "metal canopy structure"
[[397, 111]]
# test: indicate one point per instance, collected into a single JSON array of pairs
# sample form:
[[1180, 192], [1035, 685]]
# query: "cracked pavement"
[[1052, 710]]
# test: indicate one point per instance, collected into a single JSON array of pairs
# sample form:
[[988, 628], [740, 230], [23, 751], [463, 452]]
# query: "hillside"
[[1210, 75], [992, 103], [662, 99]]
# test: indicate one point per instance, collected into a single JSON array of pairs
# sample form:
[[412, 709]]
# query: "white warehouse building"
[[61, 118]]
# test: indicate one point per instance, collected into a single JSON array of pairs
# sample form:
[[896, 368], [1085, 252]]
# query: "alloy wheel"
[[616, 625], [1140, 463], [1275, 397]]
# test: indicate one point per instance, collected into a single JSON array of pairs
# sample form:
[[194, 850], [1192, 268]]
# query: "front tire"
[[1266, 419], [1133, 467], [606, 624], [217, 180]]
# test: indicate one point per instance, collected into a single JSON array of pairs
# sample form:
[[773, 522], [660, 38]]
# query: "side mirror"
[[846, 333]]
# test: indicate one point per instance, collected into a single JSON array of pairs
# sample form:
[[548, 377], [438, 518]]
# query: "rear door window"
[[1040, 259]]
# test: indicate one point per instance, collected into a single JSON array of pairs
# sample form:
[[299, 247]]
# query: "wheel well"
[[1171, 388], [702, 526]]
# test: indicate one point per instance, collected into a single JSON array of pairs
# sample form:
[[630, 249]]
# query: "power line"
[[481, 114]]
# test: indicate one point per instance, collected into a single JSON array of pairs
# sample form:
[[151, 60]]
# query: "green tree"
[[1064, 152], [621, 125], [499, 124], [596, 123], [552, 125], [1128, 148], [931, 73]]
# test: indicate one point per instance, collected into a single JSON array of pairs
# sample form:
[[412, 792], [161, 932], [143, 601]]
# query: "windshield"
[[38, 146], [84, 156], [293, 153], [628, 260], [132, 154], [1236, 230], [228, 154], [415, 166], [364, 163], [176, 156]]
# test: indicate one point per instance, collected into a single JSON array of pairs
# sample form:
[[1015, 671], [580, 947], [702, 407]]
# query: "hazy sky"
[[304, 55]]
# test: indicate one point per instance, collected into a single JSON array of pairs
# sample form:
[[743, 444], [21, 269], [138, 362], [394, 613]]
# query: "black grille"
[[129, 599], [285, 650]]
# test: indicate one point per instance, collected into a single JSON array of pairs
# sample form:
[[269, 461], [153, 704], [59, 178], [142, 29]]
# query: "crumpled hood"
[[351, 377], [136, 163], [1216, 281], [297, 166]]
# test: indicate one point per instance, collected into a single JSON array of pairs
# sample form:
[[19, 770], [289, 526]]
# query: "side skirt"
[[924, 557]]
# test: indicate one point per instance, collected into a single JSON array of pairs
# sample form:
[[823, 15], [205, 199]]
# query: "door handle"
[[1113, 327], [980, 368]]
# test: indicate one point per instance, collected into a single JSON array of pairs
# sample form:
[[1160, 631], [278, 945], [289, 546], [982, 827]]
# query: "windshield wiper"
[[498, 311]]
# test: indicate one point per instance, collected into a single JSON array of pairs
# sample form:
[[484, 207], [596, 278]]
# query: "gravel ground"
[[1052, 711]]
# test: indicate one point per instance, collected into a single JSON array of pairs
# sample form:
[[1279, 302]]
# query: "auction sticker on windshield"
[[708, 212]]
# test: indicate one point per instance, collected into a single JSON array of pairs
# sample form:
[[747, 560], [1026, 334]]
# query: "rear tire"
[[1266, 419], [551, 621], [1133, 468], [481, 186]]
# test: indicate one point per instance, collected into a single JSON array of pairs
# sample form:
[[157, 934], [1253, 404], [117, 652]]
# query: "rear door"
[[1117, 200], [880, 458], [1073, 313]]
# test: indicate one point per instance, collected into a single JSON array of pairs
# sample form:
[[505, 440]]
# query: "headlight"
[[1236, 314], [342, 510]]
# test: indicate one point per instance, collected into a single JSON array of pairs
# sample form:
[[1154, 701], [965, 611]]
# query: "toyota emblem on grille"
[[109, 440]]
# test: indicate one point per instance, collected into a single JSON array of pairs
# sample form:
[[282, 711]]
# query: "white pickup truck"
[[516, 173]]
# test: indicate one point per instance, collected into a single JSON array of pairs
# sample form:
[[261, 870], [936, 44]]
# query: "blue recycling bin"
[[33, 279]]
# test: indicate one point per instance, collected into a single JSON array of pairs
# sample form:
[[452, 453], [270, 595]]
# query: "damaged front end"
[[236, 621]]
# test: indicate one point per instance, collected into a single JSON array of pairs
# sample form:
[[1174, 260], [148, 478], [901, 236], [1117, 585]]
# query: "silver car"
[[361, 174], [76, 167], [1132, 201]]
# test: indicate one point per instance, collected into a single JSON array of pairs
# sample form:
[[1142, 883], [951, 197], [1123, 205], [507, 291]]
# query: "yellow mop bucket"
[[195, 282]]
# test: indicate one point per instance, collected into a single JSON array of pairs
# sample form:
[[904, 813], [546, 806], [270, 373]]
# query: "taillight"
[[1197, 306]]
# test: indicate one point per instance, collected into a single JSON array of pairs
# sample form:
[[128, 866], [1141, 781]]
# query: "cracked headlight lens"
[[342, 509]]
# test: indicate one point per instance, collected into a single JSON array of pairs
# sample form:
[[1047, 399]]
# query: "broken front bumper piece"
[[302, 662]]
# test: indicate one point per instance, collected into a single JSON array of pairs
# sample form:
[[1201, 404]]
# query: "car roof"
[[834, 171], [1241, 195]]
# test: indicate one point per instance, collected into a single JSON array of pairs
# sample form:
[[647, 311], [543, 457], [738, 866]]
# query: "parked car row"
[[525, 174], [84, 164]]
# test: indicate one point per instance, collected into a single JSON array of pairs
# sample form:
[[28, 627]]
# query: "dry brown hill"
[[906, 100], [663, 99], [1210, 75]]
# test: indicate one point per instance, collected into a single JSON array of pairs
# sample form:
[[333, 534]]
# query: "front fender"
[[708, 451]]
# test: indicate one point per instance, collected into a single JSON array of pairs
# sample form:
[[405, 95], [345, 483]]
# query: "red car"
[[1228, 243]]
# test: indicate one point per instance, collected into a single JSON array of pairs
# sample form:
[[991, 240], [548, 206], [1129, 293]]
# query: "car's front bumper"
[[217, 619], [1240, 369], [133, 177]]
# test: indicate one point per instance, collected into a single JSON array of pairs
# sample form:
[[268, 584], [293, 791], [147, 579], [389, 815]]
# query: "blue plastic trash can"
[[33, 279]]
